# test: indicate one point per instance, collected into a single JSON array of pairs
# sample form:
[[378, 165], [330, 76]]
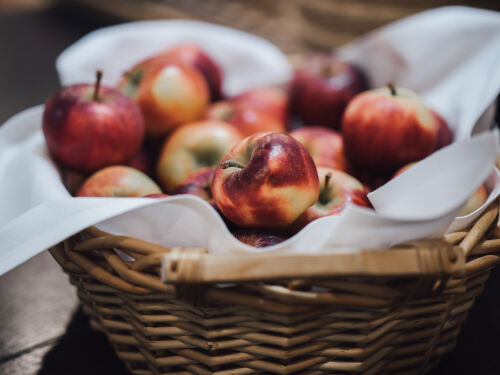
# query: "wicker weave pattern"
[[348, 324]]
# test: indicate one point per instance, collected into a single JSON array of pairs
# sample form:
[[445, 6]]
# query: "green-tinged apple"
[[88, 127], [191, 147], [198, 183], [386, 128], [266, 180], [118, 181], [337, 190], [168, 93], [326, 146], [258, 237], [271, 100], [247, 120], [321, 88]]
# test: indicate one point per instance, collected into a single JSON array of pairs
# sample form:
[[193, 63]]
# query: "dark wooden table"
[[42, 329]]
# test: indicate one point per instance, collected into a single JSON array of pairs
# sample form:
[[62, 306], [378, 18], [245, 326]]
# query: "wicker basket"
[[393, 311]]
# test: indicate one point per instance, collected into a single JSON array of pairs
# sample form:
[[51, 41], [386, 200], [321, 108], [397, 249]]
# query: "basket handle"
[[434, 258]]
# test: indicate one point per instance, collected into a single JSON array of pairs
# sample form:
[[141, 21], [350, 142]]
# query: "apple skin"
[[191, 147], [168, 93], [118, 181], [247, 120], [475, 201], [266, 180], [342, 189], [383, 131], [322, 87], [198, 183], [445, 134], [72, 180], [86, 134], [272, 100], [326, 146], [258, 237], [193, 55], [142, 161]]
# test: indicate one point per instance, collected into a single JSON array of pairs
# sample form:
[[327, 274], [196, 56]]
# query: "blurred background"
[[33, 32]]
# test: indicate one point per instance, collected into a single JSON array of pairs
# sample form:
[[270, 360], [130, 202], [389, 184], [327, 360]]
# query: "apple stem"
[[98, 76], [231, 163], [324, 195], [391, 87]]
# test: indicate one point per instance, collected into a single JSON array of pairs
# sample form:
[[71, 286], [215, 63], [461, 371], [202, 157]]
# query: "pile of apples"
[[269, 160]]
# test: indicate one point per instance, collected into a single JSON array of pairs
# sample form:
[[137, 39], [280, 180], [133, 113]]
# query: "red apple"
[[141, 161], [246, 119], [191, 147], [386, 128], [321, 88], [266, 180], [257, 237], [88, 127], [337, 190], [72, 180], [168, 93], [193, 55], [445, 134], [198, 183], [475, 201], [271, 100], [326, 146], [118, 181]]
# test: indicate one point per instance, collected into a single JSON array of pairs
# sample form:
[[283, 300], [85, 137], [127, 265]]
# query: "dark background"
[[42, 329]]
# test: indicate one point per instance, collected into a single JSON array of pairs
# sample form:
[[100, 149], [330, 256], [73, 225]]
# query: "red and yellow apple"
[[88, 127], [198, 183], [191, 147], [271, 100], [326, 146], [194, 56], [168, 93], [337, 190], [266, 180], [247, 120], [321, 88], [386, 128], [118, 181]]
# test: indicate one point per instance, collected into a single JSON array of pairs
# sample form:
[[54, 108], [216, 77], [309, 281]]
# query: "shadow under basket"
[[391, 311]]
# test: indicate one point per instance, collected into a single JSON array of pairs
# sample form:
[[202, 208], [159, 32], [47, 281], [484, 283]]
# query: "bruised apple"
[[118, 181], [266, 180], [191, 147]]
